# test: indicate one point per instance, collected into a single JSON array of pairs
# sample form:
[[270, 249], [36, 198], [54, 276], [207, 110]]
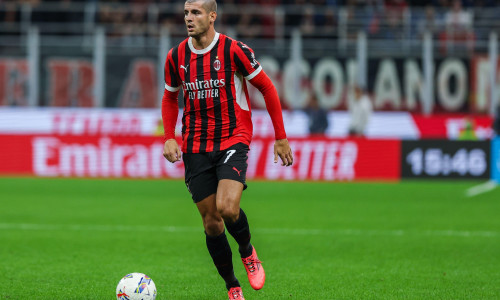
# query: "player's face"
[[197, 19]]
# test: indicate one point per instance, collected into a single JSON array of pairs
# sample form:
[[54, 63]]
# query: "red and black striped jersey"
[[217, 111]]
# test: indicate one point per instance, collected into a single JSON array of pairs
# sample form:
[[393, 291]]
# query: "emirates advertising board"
[[460, 85], [128, 143], [141, 157]]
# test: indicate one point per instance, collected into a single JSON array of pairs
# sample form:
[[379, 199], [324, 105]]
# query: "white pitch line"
[[269, 231], [481, 188]]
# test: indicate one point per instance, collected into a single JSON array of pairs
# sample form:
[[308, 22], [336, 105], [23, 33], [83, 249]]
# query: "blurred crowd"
[[136, 19]]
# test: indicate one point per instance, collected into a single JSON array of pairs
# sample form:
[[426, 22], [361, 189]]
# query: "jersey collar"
[[203, 51]]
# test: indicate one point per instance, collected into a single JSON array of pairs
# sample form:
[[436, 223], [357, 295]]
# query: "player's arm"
[[169, 112], [245, 62], [281, 147]]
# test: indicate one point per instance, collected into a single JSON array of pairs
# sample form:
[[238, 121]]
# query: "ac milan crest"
[[217, 65]]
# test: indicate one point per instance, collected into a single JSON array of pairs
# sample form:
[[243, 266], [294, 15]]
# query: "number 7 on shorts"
[[229, 154]]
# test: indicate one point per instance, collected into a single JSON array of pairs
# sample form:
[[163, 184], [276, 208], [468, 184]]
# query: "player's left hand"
[[283, 150]]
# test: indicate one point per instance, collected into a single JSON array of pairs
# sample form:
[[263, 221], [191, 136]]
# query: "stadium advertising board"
[[445, 159], [454, 126], [147, 122], [460, 85], [495, 159], [141, 157]]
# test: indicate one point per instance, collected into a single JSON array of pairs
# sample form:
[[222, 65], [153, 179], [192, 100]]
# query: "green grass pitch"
[[76, 238]]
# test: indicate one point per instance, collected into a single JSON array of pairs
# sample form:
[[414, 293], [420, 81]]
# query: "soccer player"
[[212, 70]]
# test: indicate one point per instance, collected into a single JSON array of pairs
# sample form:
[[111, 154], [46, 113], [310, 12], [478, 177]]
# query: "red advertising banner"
[[141, 157], [454, 127]]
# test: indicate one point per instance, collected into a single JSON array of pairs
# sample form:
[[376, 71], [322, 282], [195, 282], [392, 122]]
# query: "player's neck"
[[203, 41]]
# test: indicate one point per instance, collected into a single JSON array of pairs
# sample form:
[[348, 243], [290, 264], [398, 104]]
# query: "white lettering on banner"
[[316, 160], [296, 95], [452, 67], [414, 84], [53, 157], [43, 150], [74, 81], [96, 123], [348, 157], [328, 68], [387, 90], [483, 95]]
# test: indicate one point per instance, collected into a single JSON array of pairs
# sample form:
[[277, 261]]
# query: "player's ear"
[[213, 16]]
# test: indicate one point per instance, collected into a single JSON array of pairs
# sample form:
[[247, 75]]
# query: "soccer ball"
[[136, 286]]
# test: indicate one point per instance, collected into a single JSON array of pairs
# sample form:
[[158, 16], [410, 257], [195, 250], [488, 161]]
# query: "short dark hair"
[[209, 5]]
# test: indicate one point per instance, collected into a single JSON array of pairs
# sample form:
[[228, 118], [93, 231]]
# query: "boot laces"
[[251, 263], [235, 294]]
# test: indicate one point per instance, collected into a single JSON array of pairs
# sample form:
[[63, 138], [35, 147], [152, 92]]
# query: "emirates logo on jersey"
[[217, 65], [203, 84], [203, 89]]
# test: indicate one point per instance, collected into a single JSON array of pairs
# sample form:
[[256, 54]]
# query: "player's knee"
[[213, 226], [229, 212]]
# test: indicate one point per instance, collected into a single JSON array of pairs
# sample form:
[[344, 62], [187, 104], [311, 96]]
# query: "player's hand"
[[283, 150], [171, 151]]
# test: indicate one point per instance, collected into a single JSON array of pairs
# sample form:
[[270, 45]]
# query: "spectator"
[[429, 23], [329, 24], [249, 26], [268, 17], [113, 17], [171, 21], [393, 17], [135, 27], [360, 110], [307, 24], [318, 117], [458, 28], [457, 20], [9, 15], [229, 17]]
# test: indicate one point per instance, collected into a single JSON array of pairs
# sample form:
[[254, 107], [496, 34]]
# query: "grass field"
[[76, 238]]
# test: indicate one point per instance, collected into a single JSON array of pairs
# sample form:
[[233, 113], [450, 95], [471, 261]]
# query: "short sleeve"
[[245, 61], [171, 77]]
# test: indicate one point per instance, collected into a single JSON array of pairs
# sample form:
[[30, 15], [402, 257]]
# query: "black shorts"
[[204, 170]]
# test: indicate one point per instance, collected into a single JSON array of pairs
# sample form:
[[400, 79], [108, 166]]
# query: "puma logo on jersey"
[[185, 68]]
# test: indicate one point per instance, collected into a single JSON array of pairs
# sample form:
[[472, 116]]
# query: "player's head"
[[199, 16]]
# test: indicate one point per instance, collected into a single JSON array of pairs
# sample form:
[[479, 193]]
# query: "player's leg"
[[202, 182], [228, 205], [231, 171], [216, 240]]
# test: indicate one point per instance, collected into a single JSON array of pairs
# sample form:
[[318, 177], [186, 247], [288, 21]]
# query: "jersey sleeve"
[[171, 78], [244, 59], [169, 112], [263, 83]]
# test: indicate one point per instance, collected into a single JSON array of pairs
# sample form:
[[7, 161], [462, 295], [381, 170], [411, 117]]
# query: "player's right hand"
[[171, 151]]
